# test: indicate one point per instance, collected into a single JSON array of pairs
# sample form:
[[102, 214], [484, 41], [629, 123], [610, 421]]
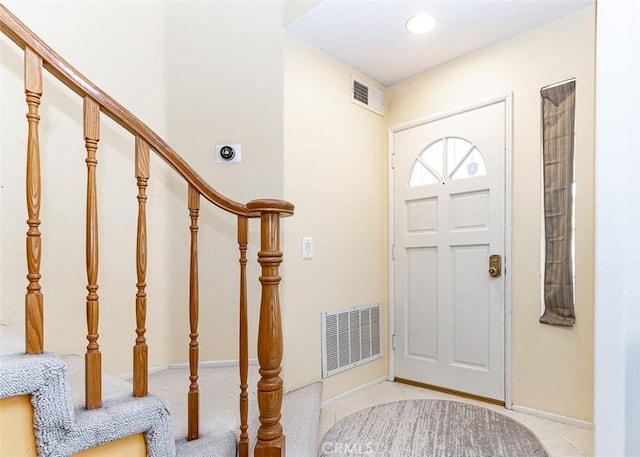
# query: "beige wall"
[[130, 65], [551, 366], [334, 171], [224, 85]]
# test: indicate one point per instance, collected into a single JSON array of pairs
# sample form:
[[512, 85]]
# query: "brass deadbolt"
[[495, 266]]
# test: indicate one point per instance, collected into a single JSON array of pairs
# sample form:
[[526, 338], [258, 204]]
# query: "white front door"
[[449, 218]]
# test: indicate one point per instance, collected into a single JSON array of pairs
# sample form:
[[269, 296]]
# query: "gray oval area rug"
[[429, 428]]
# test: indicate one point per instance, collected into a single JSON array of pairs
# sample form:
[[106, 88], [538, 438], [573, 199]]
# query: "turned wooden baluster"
[[271, 440], [33, 300], [243, 239], [140, 350], [193, 398], [93, 358]]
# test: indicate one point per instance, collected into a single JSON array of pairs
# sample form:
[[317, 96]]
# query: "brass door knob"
[[493, 272]]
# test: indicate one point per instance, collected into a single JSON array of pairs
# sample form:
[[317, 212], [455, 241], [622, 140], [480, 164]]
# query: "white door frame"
[[508, 99]]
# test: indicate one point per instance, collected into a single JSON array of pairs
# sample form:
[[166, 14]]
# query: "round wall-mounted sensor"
[[227, 152]]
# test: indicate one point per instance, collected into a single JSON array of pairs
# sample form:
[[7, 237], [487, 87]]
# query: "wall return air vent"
[[368, 97], [350, 338]]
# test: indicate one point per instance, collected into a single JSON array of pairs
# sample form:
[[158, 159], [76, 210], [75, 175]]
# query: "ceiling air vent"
[[366, 96]]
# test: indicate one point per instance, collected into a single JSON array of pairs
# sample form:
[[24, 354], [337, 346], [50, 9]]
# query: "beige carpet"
[[429, 428], [219, 417]]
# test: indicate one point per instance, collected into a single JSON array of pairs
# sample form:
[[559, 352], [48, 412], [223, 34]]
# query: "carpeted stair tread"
[[111, 385], [301, 420], [63, 430], [219, 412], [121, 415], [67, 427], [218, 409]]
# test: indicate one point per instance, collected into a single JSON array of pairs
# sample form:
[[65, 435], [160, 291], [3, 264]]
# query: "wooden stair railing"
[[270, 437]]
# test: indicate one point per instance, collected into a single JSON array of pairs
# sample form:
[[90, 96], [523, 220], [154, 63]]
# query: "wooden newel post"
[[271, 440]]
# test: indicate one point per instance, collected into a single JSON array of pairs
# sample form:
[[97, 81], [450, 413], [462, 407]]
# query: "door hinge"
[[393, 341], [393, 161], [393, 252]]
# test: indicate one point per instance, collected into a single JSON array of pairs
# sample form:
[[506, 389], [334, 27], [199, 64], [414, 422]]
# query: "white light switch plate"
[[307, 248]]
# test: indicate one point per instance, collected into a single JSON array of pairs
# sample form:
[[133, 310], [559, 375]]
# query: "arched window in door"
[[450, 158]]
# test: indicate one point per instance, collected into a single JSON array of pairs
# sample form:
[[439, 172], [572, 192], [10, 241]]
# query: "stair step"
[[63, 430], [301, 420], [112, 386], [218, 408], [219, 412], [65, 426]]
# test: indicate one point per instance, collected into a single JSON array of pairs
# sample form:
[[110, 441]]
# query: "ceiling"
[[370, 35]]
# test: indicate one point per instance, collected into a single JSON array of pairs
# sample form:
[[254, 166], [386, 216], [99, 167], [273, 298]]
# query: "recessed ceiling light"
[[421, 23]]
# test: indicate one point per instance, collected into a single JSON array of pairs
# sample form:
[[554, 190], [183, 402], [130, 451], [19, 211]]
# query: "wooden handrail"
[[74, 80]]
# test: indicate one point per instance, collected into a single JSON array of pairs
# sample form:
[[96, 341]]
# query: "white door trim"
[[508, 99]]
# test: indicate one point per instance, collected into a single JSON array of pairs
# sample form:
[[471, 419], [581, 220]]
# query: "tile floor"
[[560, 440]]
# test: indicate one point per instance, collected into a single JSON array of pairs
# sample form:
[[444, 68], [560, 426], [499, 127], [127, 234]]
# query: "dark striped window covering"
[[558, 122]]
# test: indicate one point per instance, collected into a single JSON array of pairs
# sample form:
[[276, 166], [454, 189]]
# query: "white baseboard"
[[348, 393], [210, 364], [129, 376], [554, 417], [185, 365]]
